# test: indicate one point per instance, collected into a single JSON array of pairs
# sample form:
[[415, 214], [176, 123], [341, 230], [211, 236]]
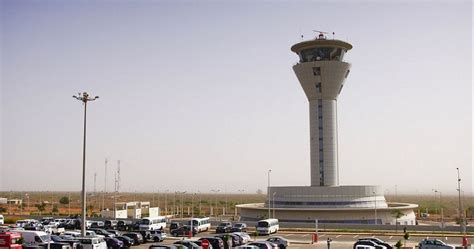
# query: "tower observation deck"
[[321, 72]]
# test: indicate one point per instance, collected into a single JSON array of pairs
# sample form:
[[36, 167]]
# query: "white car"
[[2, 220], [433, 244]]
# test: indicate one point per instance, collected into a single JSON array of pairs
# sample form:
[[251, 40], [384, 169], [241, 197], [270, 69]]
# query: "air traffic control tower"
[[322, 72]]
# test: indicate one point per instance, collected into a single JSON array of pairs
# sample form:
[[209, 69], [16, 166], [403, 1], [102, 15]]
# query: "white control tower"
[[322, 72]]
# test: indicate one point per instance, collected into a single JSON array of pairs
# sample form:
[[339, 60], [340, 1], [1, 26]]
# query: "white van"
[[267, 226], [2, 220], [30, 237], [92, 243]]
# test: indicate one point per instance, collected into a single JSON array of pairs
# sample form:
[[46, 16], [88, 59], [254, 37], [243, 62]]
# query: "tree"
[[259, 192], [406, 237], [41, 207], [55, 209], [397, 214], [64, 200], [399, 244]]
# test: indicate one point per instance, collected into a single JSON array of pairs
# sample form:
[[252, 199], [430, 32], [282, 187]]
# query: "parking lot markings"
[[338, 236], [390, 237], [355, 236], [373, 236]]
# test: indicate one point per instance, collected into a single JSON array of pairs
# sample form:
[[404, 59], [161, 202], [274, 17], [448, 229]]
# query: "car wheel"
[[156, 239]]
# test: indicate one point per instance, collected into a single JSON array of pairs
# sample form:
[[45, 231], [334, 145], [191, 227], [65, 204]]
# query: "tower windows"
[[321, 148], [316, 71], [318, 87], [347, 73]]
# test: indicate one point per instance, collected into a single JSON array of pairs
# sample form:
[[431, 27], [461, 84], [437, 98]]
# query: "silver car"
[[433, 244]]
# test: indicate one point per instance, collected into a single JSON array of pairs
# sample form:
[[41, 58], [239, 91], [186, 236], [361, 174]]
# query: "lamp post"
[[375, 209], [273, 203], [461, 218], [268, 191], [166, 202], [84, 98], [215, 191]]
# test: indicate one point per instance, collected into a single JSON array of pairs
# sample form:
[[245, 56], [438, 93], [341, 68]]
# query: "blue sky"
[[200, 95]]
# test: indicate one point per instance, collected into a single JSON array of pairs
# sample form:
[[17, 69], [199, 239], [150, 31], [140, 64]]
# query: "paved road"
[[339, 241]]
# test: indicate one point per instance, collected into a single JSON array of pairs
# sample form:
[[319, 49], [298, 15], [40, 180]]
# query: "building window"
[[340, 89], [347, 73], [318, 87], [316, 71]]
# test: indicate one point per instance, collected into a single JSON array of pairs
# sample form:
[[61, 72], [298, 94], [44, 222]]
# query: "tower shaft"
[[323, 145]]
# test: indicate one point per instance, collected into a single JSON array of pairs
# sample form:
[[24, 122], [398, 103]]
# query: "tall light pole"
[[215, 191], [273, 204], [268, 192], [461, 218], [84, 98], [375, 209]]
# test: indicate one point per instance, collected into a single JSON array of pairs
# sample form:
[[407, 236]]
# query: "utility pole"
[[268, 192], [105, 185], [84, 98], [461, 215]]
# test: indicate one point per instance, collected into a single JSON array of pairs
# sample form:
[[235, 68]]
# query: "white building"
[[132, 210]]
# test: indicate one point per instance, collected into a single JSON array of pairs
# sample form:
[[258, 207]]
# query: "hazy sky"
[[201, 95]]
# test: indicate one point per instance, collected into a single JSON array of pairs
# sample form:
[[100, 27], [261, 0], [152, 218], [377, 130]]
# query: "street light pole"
[[375, 210], [84, 98], [273, 204], [268, 192], [461, 218]]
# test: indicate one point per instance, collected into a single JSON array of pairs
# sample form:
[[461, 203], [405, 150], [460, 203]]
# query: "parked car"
[[111, 224], [2, 220], [433, 244], [246, 247], [145, 234], [113, 243], [239, 227], [127, 242], [157, 235], [229, 241], [188, 244], [92, 243], [183, 231], [158, 246], [216, 243], [103, 232], [263, 244], [367, 244], [378, 241], [137, 237], [280, 241], [114, 232], [71, 241], [97, 224], [245, 237], [175, 225], [123, 225], [224, 227]]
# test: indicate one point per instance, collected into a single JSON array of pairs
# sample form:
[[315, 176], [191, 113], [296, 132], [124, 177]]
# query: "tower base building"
[[322, 72]]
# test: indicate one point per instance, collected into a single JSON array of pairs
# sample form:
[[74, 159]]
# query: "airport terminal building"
[[322, 71]]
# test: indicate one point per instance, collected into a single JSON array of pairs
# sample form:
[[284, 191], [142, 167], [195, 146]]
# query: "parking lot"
[[339, 241]]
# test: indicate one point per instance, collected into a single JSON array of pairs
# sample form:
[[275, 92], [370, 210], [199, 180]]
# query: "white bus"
[[153, 223], [201, 224], [268, 226]]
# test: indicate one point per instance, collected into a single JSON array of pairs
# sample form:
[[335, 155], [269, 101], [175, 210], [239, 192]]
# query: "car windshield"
[[262, 224], [44, 238], [145, 222], [238, 225]]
